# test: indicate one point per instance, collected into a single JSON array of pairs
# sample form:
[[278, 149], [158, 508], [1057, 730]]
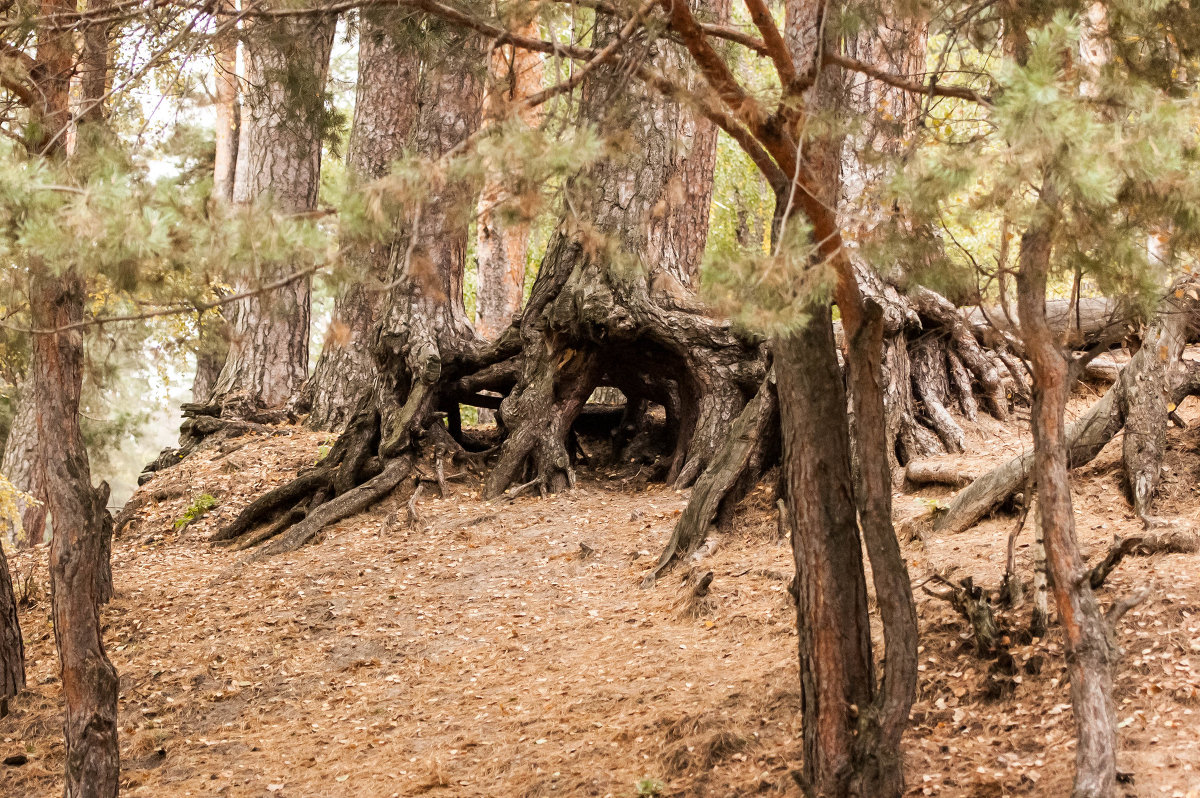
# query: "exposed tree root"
[[738, 464], [1085, 438], [1173, 541], [973, 604]]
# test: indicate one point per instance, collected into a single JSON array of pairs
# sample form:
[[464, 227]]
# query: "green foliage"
[[202, 504], [649, 787], [768, 292], [1111, 154], [743, 204], [11, 500]]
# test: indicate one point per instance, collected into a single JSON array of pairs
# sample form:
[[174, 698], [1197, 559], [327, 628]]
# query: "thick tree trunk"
[[679, 223], [423, 341], [20, 466], [502, 245], [1089, 652], [587, 324], [78, 548], [279, 157], [385, 109]]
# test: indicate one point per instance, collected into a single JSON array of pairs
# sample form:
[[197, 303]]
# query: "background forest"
[[885, 309]]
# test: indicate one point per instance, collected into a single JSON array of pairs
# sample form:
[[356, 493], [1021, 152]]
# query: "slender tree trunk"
[[228, 111], [279, 156], [1089, 653], [78, 548], [385, 110], [212, 328], [79, 580], [502, 246], [12, 645]]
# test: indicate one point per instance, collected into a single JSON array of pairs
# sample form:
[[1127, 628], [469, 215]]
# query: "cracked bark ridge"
[[279, 157], [422, 342], [385, 112]]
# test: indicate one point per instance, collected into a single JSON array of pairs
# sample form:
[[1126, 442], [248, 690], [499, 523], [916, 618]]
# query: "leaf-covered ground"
[[480, 653]]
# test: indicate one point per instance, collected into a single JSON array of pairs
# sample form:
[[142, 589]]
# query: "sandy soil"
[[479, 653]]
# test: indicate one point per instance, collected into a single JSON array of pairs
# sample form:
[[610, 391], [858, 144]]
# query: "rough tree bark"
[[20, 465], [279, 156], [593, 320], [78, 549], [1089, 652], [836, 667], [502, 245], [1147, 400], [423, 341], [679, 223], [12, 645], [385, 109]]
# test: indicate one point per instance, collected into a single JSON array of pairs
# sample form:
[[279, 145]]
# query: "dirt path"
[[480, 654]]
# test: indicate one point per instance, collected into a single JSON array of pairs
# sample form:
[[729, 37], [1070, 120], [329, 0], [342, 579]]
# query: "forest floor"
[[479, 653]]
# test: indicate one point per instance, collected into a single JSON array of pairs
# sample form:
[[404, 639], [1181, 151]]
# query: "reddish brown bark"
[[1089, 651], [503, 238], [78, 549], [836, 669]]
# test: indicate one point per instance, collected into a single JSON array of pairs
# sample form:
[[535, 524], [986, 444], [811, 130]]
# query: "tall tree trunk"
[[212, 328], [385, 110], [80, 579], [503, 232], [836, 668], [279, 156], [422, 341], [857, 724], [228, 111], [679, 223], [78, 548], [20, 465], [424, 327], [1089, 653]]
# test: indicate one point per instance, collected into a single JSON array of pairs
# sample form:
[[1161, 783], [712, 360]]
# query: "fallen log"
[[928, 472], [1085, 438]]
